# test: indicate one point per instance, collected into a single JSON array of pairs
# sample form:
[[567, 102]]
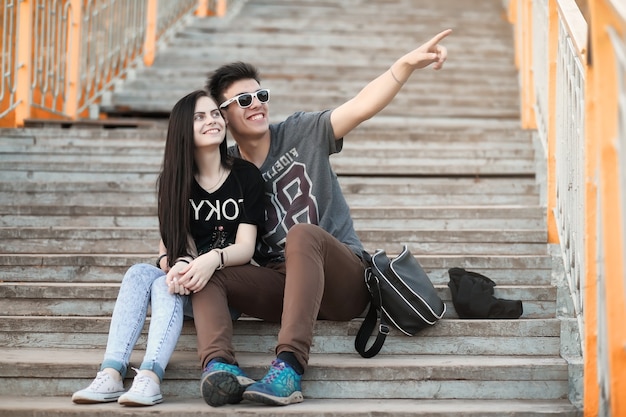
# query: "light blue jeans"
[[143, 286]]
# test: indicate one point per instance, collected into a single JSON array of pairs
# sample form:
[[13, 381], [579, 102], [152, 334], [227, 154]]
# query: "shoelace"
[[141, 383], [275, 370], [100, 379], [220, 366]]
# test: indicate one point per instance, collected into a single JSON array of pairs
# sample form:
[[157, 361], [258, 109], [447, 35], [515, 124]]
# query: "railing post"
[[610, 288], [203, 9], [527, 81], [220, 8], [73, 58], [513, 18], [24, 62], [590, 289], [553, 38], [149, 46]]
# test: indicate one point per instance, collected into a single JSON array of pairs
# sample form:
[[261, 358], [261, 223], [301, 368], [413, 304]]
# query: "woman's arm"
[[242, 250], [196, 275]]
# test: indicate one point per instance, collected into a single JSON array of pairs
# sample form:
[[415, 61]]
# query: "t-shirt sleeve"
[[314, 126]]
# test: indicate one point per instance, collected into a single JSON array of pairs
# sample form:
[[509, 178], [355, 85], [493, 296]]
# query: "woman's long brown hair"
[[177, 175]]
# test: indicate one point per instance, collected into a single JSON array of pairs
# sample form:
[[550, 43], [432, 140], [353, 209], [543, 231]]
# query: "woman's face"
[[209, 126]]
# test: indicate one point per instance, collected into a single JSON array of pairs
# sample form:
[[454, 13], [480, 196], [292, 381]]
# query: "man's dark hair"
[[226, 75]]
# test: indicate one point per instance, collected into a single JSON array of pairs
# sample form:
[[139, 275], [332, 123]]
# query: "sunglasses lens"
[[244, 100], [263, 96]]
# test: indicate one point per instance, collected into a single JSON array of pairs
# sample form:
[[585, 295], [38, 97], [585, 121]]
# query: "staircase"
[[445, 169]]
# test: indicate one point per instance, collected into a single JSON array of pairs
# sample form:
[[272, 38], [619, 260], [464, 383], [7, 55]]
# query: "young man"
[[309, 254]]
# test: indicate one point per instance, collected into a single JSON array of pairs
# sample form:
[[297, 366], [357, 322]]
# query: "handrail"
[[607, 108], [573, 92], [59, 57]]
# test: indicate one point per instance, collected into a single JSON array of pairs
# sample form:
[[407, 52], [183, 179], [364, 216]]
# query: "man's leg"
[[324, 279], [255, 291], [252, 290]]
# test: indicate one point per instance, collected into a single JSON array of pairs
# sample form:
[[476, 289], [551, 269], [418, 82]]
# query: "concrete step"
[[21, 173], [394, 133], [383, 151], [80, 135], [141, 168], [98, 299], [116, 189], [141, 240], [507, 269], [192, 407], [364, 161], [131, 170], [526, 337], [431, 131], [335, 45], [413, 218], [428, 89], [106, 123], [420, 376], [142, 101]]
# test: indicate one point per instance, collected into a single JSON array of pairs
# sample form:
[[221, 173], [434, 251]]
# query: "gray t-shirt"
[[300, 184]]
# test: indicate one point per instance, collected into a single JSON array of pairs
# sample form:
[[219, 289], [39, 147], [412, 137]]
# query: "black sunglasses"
[[244, 100]]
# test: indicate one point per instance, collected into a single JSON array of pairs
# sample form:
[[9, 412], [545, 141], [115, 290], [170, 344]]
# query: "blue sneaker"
[[280, 386], [223, 383]]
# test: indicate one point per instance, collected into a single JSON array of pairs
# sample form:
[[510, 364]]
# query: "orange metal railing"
[[573, 91], [60, 56], [606, 110]]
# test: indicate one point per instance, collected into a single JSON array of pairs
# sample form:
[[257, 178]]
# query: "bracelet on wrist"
[[222, 263], [158, 261], [182, 260], [401, 83], [220, 258]]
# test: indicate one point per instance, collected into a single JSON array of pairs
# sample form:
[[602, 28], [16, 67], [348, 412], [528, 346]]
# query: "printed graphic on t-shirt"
[[281, 164], [218, 239], [214, 222], [291, 202], [216, 210]]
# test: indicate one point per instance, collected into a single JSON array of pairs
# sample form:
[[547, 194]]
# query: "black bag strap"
[[365, 331], [367, 327]]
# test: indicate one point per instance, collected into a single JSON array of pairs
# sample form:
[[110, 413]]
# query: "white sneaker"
[[144, 391], [103, 389]]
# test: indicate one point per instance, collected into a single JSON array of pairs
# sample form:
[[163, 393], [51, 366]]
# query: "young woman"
[[209, 207]]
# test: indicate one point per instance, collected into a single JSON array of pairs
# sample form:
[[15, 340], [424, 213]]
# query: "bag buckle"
[[384, 329]]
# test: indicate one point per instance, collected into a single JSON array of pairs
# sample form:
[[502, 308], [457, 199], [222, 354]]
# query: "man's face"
[[249, 121]]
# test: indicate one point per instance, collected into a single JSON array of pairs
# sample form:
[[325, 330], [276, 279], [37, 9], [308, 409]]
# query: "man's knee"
[[304, 232]]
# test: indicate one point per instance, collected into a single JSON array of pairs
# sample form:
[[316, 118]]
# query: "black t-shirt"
[[215, 216]]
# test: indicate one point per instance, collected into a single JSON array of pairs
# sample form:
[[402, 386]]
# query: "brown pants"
[[321, 278]]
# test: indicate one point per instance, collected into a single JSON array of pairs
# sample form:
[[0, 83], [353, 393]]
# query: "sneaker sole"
[[97, 399], [220, 388], [259, 397], [132, 401]]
